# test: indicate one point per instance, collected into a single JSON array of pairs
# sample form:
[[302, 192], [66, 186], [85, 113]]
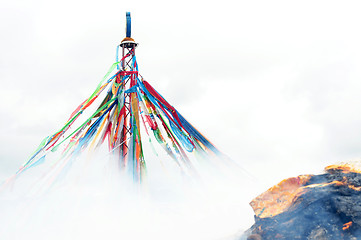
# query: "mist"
[[96, 200], [274, 84]]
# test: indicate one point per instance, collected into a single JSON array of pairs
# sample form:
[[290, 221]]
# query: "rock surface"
[[326, 206]]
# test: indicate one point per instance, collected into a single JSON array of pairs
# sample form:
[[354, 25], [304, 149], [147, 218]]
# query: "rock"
[[318, 234], [325, 206], [254, 237]]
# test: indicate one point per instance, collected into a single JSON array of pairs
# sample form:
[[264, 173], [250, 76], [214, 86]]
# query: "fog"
[[95, 200], [273, 84]]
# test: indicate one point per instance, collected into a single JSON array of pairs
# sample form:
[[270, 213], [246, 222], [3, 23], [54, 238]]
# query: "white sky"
[[274, 84]]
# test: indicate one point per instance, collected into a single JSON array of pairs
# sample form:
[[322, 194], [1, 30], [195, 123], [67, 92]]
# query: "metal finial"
[[129, 25]]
